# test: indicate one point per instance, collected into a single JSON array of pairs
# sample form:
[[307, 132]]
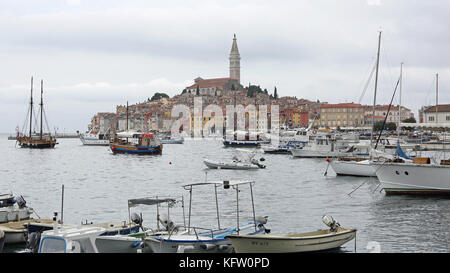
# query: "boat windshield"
[[52, 245]]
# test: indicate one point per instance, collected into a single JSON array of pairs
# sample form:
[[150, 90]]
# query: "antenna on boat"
[[62, 203], [42, 107]]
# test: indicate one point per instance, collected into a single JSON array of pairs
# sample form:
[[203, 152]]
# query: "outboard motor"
[[20, 201], [331, 223], [33, 241], [166, 222], [262, 220], [136, 218]]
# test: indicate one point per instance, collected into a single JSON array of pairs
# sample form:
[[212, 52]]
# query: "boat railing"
[[208, 231]]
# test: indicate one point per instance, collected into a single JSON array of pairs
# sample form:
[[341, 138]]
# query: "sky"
[[96, 54]]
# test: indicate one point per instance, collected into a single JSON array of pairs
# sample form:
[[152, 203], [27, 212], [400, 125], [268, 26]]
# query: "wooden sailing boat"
[[41, 140], [143, 144]]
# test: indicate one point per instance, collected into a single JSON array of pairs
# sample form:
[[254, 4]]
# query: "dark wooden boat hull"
[[37, 144], [139, 150]]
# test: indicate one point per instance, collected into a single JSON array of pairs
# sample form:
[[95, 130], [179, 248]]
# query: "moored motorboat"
[[207, 240], [320, 240], [94, 138], [232, 165], [145, 144], [16, 231], [13, 208], [417, 178]]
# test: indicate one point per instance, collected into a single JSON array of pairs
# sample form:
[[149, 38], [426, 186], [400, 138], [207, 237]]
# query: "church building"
[[219, 86]]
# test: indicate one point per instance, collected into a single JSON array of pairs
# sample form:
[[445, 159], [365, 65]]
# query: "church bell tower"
[[235, 62]]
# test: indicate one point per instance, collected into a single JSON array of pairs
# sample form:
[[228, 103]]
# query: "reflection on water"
[[294, 193]]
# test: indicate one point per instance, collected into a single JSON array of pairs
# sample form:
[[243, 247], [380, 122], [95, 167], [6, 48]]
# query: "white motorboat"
[[207, 240], [132, 242], [324, 146], [13, 208], [320, 240], [284, 148], [230, 165], [418, 178], [94, 138]]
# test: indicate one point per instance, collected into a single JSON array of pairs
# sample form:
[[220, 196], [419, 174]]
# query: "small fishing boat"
[[16, 231], [141, 144], [33, 140], [323, 146], [172, 138], [320, 240], [207, 240], [13, 208], [233, 165], [131, 243]]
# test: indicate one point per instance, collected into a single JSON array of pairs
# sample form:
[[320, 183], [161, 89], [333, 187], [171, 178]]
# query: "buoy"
[[328, 160], [170, 162]]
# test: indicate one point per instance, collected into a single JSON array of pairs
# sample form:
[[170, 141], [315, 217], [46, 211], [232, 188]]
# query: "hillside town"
[[155, 114]]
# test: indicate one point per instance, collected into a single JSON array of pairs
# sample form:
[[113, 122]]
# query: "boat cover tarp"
[[400, 152], [149, 201]]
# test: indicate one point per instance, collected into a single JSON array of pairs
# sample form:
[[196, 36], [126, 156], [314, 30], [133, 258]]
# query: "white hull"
[[229, 165], [306, 153], [268, 243], [407, 178], [14, 214], [118, 244], [15, 236], [354, 168], [94, 142], [187, 244], [172, 141]]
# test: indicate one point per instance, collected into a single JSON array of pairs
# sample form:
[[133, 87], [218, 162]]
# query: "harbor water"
[[293, 193]]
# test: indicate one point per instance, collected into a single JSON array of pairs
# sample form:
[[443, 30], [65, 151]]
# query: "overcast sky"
[[96, 54]]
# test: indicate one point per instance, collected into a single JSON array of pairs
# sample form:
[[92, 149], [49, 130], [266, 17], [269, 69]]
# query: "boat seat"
[[421, 160], [445, 162]]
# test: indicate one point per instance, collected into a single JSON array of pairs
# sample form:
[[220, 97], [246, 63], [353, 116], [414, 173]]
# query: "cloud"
[[102, 53]]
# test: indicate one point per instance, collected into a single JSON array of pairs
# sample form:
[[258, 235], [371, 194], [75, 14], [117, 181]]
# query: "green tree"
[[275, 94], [389, 126], [158, 96], [409, 120], [198, 91]]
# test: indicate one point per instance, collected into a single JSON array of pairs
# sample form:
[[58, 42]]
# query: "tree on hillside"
[[198, 91], [275, 94], [252, 90], [158, 96]]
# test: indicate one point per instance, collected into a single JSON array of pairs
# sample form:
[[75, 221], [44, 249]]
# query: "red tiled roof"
[[440, 108], [205, 85]]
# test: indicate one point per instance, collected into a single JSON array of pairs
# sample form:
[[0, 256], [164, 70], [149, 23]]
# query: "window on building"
[[447, 118], [431, 118]]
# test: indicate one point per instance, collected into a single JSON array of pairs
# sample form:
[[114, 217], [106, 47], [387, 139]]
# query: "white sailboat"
[[357, 166], [420, 177]]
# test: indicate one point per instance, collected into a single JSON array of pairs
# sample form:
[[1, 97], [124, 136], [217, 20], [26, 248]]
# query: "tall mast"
[[31, 106], [127, 116], [437, 89], [400, 102], [42, 106], [376, 85]]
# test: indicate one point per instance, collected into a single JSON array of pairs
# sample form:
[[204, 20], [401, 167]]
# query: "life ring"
[[314, 132]]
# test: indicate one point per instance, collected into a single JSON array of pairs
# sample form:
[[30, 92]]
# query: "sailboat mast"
[[127, 116], [31, 106], [376, 86], [437, 89], [42, 106], [400, 102]]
